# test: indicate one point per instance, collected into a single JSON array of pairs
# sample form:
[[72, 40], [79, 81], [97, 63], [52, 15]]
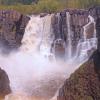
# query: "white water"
[[33, 70], [91, 20], [86, 45], [69, 51], [38, 36]]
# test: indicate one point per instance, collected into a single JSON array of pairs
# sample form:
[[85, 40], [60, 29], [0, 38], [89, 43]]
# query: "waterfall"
[[69, 52], [87, 44], [38, 36], [33, 70], [33, 35], [47, 36]]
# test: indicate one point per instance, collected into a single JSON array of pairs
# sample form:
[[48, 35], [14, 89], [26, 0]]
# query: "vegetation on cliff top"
[[32, 6]]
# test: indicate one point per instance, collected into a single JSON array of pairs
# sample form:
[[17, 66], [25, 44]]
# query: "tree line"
[[68, 3], [11, 2], [38, 6]]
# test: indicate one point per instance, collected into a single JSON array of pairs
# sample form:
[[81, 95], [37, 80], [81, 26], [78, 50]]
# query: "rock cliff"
[[12, 27], [84, 83]]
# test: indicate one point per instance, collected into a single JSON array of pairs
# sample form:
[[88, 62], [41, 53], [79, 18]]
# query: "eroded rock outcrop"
[[12, 27], [4, 84], [84, 83]]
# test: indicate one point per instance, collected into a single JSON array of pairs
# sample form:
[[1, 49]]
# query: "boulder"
[[4, 84]]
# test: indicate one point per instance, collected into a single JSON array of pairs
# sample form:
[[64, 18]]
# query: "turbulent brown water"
[[33, 70]]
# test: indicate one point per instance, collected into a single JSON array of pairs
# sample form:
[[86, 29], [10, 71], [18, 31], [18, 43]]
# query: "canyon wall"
[[12, 27], [84, 83]]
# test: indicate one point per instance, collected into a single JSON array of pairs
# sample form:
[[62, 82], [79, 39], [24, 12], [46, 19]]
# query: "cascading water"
[[33, 35], [38, 35], [47, 36], [32, 75], [69, 51], [87, 44]]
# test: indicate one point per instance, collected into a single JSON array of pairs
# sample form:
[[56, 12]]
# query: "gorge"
[[39, 52]]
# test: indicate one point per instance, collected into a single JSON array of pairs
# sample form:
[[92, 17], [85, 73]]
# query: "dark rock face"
[[4, 83], [84, 83], [97, 18], [12, 27]]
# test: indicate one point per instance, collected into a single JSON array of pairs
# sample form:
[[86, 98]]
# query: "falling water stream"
[[69, 36], [33, 70]]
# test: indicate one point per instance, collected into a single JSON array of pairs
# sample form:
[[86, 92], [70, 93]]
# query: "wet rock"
[[59, 49], [90, 31], [84, 83], [98, 30], [4, 83], [95, 12], [12, 27], [43, 14]]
